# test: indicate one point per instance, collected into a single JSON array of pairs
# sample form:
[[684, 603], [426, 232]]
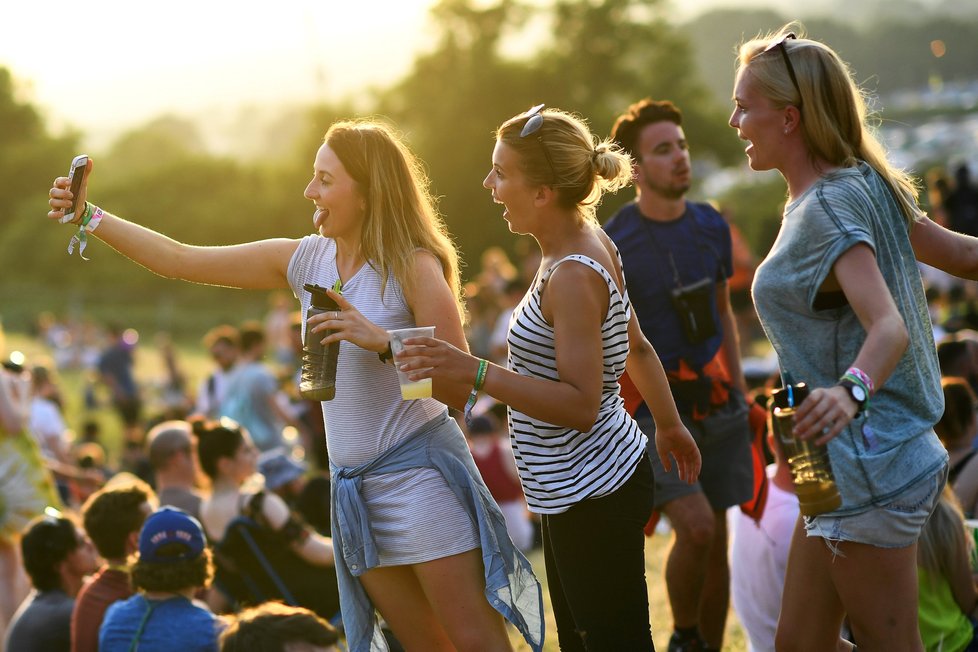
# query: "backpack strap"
[[955, 470]]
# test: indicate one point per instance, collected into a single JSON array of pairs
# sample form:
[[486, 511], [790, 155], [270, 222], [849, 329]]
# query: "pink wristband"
[[863, 376]]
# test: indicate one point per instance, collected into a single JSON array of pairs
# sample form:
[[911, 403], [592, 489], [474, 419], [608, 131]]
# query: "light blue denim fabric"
[[511, 587], [895, 524]]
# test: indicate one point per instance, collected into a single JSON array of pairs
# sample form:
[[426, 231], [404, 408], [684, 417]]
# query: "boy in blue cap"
[[173, 564]]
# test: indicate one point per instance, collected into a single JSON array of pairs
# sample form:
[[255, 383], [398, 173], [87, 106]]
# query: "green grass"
[[194, 362], [655, 552]]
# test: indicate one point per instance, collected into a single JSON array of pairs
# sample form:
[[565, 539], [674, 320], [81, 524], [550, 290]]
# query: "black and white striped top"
[[560, 467]]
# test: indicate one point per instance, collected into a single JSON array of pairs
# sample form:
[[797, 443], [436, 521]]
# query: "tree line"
[[597, 56]]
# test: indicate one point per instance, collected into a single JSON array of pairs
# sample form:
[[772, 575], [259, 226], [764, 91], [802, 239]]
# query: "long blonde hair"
[[943, 538], [580, 168], [833, 108], [400, 215]]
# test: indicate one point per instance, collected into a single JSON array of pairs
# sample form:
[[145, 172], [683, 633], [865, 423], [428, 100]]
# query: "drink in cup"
[[418, 388]]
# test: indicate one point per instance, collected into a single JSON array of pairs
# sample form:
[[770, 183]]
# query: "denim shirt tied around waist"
[[511, 587]]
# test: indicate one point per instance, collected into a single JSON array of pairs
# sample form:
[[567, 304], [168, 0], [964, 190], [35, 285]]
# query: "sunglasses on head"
[[779, 44], [534, 122]]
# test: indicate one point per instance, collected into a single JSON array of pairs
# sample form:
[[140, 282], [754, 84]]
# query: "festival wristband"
[[89, 221], [858, 374], [96, 219], [480, 379]]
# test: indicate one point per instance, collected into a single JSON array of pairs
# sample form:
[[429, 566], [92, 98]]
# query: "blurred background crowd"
[[120, 376]]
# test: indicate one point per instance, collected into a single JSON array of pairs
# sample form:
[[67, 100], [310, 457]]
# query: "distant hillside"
[[889, 53]]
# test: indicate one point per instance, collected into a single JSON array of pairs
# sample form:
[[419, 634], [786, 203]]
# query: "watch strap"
[[851, 389]]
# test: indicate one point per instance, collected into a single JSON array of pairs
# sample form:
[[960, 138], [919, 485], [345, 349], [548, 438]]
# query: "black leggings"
[[595, 560]]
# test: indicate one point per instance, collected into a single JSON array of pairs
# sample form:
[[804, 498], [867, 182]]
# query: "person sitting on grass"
[[173, 564], [947, 599], [57, 556], [113, 517], [302, 559], [274, 627]]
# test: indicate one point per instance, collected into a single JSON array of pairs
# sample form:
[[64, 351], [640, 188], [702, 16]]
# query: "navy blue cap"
[[170, 535]]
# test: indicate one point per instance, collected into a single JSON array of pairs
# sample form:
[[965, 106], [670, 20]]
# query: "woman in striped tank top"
[[581, 457], [417, 535]]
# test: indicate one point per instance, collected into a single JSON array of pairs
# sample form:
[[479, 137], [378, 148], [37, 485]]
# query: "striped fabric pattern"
[[414, 516], [558, 466]]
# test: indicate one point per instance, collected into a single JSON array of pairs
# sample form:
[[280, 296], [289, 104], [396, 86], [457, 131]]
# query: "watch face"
[[858, 393]]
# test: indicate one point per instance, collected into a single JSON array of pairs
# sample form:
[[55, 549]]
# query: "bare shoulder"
[[599, 248], [575, 278], [427, 273], [427, 266], [274, 509], [612, 264]]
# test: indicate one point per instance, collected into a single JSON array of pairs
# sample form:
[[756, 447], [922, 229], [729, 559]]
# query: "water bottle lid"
[[784, 399], [319, 297]]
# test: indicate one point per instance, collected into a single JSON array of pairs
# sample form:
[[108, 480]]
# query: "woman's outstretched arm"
[[256, 265]]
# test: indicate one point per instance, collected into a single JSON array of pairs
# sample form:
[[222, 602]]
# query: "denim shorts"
[[896, 523]]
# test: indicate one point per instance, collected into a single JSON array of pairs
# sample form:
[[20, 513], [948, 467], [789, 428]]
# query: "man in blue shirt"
[[677, 259]]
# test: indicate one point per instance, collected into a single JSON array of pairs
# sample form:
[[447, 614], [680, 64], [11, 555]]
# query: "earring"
[[785, 131]]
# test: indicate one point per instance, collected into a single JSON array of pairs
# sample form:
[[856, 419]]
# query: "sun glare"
[[108, 62]]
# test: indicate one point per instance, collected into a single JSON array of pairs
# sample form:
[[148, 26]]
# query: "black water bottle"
[[318, 380]]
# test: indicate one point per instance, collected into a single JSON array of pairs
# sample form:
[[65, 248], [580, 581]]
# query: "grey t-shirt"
[[893, 446], [42, 623], [185, 499]]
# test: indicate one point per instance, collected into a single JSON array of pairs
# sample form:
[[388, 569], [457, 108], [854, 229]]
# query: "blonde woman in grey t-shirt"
[[841, 300]]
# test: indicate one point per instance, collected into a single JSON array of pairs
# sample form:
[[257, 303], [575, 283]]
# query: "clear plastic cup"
[[411, 390]]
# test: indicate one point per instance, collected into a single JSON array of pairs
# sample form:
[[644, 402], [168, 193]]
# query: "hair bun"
[[612, 165], [198, 425]]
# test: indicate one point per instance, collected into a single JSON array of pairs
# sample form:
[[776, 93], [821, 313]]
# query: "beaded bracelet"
[[856, 374], [856, 380], [480, 380]]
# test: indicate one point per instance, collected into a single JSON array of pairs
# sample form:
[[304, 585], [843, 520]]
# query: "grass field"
[[655, 550], [195, 364]]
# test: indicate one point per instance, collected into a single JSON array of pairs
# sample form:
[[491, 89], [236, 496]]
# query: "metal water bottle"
[[811, 470], [318, 379]]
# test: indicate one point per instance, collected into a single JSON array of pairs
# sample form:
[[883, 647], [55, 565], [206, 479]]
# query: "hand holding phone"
[[76, 175]]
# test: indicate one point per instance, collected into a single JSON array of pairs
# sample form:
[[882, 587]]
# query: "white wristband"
[[93, 223]]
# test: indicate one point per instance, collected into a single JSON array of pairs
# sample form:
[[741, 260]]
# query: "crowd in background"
[[215, 496], [157, 461]]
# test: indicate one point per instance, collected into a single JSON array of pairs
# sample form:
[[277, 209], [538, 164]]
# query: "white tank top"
[[367, 416]]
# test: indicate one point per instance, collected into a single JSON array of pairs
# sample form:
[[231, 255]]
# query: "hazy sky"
[[112, 64]]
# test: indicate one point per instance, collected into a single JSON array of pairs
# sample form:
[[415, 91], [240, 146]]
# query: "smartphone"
[[79, 167]]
